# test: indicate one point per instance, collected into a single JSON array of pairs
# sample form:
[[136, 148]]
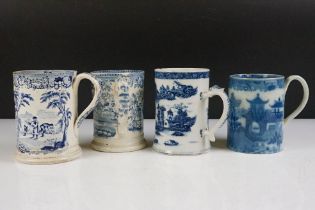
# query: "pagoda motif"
[[260, 118], [160, 118], [278, 109], [177, 120], [255, 128], [255, 117]]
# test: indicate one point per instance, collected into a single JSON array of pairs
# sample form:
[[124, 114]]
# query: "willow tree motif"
[[21, 99], [58, 100]]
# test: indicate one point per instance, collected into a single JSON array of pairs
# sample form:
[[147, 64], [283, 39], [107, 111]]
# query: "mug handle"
[[215, 91], [305, 96], [93, 103]]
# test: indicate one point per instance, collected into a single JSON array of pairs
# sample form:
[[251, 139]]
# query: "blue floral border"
[[44, 80], [181, 75], [254, 85]]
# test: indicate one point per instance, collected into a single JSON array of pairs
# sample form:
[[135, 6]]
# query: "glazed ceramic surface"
[[118, 116], [46, 114], [182, 110], [256, 118]]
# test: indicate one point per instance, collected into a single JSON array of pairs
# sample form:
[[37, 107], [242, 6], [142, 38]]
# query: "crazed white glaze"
[[46, 114], [182, 111], [118, 117]]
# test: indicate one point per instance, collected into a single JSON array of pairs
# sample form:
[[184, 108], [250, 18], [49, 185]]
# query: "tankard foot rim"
[[264, 152], [104, 147], [75, 152], [171, 152]]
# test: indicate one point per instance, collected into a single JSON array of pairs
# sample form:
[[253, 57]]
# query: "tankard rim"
[[256, 76], [43, 71], [104, 72], [182, 70]]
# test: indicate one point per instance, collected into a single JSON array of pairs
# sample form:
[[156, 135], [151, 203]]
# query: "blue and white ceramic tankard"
[[118, 116], [182, 111], [46, 114], [257, 111]]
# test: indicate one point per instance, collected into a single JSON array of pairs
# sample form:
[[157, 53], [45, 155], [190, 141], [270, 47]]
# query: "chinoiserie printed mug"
[[118, 116], [257, 111], [182, 111], [46, 114]]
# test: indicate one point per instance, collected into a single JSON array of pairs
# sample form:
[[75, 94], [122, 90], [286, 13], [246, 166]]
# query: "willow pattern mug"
[[46, 114], [182, 111], [118, 116], [256, 116]]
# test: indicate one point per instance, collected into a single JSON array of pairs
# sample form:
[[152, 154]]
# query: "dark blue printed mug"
[[256, 119]]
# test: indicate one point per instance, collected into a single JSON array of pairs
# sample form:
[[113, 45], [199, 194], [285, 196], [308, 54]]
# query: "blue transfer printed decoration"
[[181, 111], [256, 113], [32, 129], [118, 116], [46, 114]]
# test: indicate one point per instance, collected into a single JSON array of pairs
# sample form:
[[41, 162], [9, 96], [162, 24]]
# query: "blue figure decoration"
[[25, 130], [35, 127], [46, 128]]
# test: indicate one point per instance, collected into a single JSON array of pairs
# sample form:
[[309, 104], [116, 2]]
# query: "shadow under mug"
[[256, 119], [46, 103]]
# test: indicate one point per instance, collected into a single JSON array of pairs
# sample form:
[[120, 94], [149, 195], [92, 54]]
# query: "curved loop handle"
[[93, 103], [216, 91], [304, 100]]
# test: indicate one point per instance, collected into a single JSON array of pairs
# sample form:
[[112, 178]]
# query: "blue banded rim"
[[112, 72], [41, 72], [256, 77], [182, 73], [182, 70]]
